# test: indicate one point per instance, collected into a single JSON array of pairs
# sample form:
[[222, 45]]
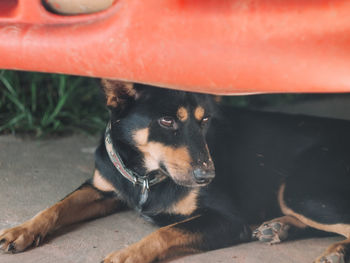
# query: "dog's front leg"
[[84, 203], [201, 233]]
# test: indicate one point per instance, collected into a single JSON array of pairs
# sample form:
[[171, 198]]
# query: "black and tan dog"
[[158, 156]]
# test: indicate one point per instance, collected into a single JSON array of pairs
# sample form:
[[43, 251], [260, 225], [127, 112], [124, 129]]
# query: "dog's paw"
[[125, 256], [336, 257], [19, 238], [271, 232]]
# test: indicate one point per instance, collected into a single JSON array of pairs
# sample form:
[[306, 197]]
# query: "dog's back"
[[254, 152]]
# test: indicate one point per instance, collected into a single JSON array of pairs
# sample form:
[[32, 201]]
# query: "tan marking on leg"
[[341, 229], [187, 205], [158, 245], [337, 250], [289, 220], [182, 114], [199, 113], [83, 204], [141, 136], [338, 247], [101, 183], [276, 230]]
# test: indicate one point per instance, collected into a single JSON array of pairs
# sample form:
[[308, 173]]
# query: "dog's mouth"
[[186, 181], [163, 169], [203, 182], [192, 183]]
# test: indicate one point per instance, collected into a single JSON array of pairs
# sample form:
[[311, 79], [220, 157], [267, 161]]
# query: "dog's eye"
[[168, 122], [205, 120]]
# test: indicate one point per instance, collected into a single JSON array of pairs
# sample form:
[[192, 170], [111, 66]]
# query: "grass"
[[42, 104], [49, 104]]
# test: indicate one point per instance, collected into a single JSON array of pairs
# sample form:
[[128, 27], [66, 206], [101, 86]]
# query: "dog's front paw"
[[271, 232], [127, 255], [19, 238], [336, 257]]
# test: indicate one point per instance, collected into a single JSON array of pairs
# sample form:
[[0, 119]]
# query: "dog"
[[206, 174]]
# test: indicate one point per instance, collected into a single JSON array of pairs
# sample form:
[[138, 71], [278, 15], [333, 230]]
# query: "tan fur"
[[158, 245], [141, 136], [290, 220], [337, 248], [82, 204], [176, 160], [286, 220], [101, 183], [186, 205], [182, 114], [199, 113], [341, 229], [116, 91]]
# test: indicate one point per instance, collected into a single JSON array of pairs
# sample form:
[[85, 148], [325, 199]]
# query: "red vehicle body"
[[222, 47]]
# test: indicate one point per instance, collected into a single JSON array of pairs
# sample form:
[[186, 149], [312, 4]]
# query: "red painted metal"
[[217, 46]]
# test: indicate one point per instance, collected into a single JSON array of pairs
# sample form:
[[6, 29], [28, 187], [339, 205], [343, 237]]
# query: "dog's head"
[[166, 128]]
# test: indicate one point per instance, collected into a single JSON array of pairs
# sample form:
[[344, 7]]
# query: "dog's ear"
[[118, 92]]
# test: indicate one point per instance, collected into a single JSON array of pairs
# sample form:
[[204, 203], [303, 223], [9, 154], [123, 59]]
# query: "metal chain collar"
[[144, 181]]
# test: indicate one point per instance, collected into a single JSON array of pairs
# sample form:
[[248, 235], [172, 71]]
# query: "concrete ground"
[[35, 174]]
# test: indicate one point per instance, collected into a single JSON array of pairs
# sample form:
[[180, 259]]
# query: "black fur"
[[253, 152]]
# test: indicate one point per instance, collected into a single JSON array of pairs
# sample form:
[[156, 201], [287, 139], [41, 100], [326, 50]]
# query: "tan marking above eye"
[[141, 136], [217, 98], [182, 114], [199, 113]]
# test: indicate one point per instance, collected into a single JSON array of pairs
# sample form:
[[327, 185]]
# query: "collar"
[[146, 181]]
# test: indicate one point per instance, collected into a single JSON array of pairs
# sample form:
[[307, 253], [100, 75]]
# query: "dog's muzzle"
[[203, 176]]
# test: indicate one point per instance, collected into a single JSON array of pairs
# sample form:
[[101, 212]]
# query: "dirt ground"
[[36, 174]]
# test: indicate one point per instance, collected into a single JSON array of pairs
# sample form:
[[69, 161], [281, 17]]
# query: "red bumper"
[[216, 46]]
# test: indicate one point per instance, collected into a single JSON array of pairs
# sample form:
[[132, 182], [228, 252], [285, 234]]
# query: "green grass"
[[49, 104], [42, 104]]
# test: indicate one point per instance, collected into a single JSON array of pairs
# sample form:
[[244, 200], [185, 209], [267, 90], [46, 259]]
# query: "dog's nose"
[[203, 176]]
